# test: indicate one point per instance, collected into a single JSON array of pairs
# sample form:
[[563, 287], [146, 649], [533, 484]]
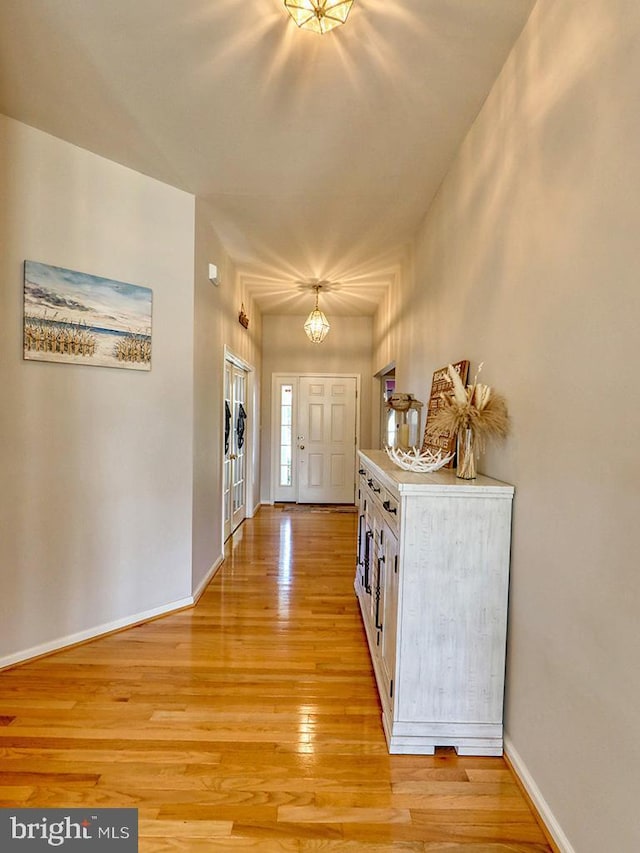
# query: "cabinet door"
[[362, 531], [389, 609], [365, 569], [377, 574]]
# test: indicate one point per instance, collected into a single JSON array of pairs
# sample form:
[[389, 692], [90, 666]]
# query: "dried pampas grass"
[[477, 407]]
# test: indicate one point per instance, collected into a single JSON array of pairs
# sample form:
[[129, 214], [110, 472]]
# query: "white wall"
[[96, 497], [529, 260], [216, 326], [346, 349]]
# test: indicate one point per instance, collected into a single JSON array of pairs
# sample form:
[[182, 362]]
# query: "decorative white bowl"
[[413, 460]]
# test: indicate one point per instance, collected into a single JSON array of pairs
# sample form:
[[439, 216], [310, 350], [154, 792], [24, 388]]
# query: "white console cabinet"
[[432, 580]]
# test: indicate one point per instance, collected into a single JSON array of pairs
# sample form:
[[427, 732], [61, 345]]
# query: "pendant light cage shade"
[[320, 16], [316, 326]]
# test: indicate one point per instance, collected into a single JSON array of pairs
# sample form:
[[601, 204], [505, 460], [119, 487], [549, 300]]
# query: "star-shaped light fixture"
[[319, 15]]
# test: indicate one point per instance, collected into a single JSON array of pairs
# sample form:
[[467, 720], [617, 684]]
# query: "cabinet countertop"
[[444, 480]]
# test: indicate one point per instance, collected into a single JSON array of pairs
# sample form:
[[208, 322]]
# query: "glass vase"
[[466, 455]]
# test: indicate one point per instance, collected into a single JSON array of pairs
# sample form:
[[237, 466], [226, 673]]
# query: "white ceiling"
[[318, 155]]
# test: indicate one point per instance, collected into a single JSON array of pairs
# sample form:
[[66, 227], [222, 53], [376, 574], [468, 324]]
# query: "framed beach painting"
[[77, 318]]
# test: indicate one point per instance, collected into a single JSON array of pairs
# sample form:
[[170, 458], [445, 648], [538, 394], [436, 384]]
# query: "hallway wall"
[[529, 260], [216, 326], [96, 498]]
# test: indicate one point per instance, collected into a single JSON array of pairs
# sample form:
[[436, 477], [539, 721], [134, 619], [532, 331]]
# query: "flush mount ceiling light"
[[319, 15], [316, 326]]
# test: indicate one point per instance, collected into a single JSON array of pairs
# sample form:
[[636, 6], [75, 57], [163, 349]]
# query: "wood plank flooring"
[[250, 722]]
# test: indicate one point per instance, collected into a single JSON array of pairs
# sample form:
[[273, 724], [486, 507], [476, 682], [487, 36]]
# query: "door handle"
[[301, 446]]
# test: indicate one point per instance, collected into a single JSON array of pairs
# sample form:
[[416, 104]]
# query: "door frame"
[[230, 357], [381, 376], [293, 378]]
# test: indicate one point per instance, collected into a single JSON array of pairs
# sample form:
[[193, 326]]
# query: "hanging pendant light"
[[316, 326], [319, 15]]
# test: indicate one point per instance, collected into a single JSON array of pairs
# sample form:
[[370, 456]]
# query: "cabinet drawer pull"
[[367, 561], [377, 597], [389, 508]]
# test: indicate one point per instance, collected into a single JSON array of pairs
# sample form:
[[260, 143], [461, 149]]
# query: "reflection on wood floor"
[[250, 722]]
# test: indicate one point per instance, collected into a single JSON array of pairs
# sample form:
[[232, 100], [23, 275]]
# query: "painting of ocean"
[[77, 318]]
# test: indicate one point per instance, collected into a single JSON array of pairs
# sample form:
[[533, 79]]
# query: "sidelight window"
[[286, 436]]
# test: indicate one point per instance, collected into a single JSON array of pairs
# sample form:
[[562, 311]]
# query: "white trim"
[[251, 476], [93, 633], [380, 425], [229, 355], [277, 380], [384, 371], [542, 807], [207, 578]]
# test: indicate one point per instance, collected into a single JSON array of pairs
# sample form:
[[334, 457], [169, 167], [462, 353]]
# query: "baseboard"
[[93, 633], [205, 583], [547, 819]]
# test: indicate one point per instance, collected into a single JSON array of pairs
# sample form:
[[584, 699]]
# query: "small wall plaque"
[[441, 384]]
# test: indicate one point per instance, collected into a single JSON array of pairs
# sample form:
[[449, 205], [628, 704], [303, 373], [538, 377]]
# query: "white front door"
[[314, 427], [326, 439], [235, 446]]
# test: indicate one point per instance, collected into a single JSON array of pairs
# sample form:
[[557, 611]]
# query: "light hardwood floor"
[[250, 722]]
